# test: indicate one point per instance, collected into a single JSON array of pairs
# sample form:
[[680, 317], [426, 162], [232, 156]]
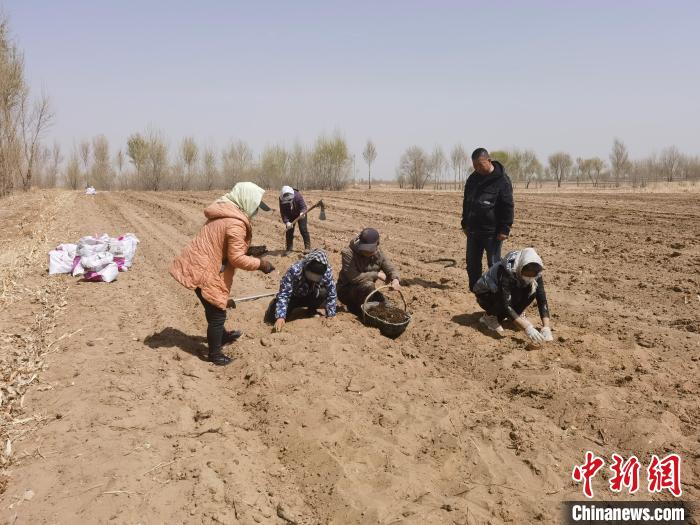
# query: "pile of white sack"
[[96, 258], [90, 191]]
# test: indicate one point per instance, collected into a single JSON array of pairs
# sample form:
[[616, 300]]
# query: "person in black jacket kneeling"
[[487, 212]]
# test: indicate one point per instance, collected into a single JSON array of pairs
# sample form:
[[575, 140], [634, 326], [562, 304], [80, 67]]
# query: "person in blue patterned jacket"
[[308, 282]]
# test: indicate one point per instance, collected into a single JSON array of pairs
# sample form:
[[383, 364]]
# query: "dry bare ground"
[[125, 423]]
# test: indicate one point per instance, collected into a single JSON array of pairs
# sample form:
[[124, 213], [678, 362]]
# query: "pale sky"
[[545, 75]]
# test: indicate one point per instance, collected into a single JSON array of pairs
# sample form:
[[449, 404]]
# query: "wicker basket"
[[387, 329]]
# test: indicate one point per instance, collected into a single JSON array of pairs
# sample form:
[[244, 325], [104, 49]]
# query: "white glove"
[[302, 215], [534, 335], [547, 333], [288, 225]]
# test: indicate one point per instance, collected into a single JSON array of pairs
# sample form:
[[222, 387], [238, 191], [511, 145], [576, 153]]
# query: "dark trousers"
[[353, 296], [297, 302], [303, 229], [477, 244], [215, 321], [521, 298]]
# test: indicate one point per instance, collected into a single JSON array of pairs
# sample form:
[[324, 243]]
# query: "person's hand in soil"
[[279, 325], [395, 285], [266, 266], [381, 276], [547, 334]]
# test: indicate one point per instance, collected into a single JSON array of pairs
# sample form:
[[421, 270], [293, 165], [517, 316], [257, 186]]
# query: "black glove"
[[266, 266]]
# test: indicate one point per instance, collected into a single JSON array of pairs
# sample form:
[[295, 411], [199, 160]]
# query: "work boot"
[[491, 322], [220, 359], [230, 337]]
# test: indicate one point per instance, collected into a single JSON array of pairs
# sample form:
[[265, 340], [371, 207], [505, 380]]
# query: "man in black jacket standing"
[[487, 212]]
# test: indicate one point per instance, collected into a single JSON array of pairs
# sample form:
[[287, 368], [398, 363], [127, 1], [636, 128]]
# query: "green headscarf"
[[246, 196]]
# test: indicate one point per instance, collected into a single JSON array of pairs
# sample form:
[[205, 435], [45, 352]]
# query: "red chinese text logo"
[[662, 474]]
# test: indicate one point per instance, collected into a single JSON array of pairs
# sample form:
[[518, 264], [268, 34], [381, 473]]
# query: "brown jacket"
[[224, 239], [358, 269]]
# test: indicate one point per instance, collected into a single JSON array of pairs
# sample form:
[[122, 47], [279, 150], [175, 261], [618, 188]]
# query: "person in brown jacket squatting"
[[363, 262], [207, 265]]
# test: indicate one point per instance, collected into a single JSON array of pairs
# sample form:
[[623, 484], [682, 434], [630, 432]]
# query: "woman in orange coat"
[[224, 239]]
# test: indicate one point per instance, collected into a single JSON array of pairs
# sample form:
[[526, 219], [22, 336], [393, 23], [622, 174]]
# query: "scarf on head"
[[246, 196], [525, 257]]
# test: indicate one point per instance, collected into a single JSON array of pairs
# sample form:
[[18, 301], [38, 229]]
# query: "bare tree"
[[414, 167], [458, 157], [137, 150], [523, 166], [156, 160], [33, 124], [12, 91], [119, 164], [643, 170], [369, 154], [580, 169], [297, 166], [590, 169], [596, 167], [329, 164], [101, 171], [691, 168], [22, 122], [84, 150], [189, 153], [670, 161], [209, 171], [560, 166], [273, 166], [237, 160], [54, 164], [503, 157], [619, 161], [73, 174], [400, 178], [437, 164]]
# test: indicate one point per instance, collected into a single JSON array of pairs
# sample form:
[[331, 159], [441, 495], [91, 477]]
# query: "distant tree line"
[[417, 168], [148, 163]]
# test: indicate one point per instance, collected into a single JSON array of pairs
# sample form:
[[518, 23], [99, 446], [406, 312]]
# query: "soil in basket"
[[390, 314]]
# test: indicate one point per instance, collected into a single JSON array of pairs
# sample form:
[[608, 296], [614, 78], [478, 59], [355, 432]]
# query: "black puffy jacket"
[[488, 202]]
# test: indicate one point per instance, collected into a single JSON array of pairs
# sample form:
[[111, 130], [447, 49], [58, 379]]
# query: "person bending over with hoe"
[[508, 288], [292, 207], [207, 265], [363, 263], [308, 282]]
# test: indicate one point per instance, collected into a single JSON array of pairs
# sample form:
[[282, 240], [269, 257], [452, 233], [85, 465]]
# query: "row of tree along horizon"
[[146, 164]]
